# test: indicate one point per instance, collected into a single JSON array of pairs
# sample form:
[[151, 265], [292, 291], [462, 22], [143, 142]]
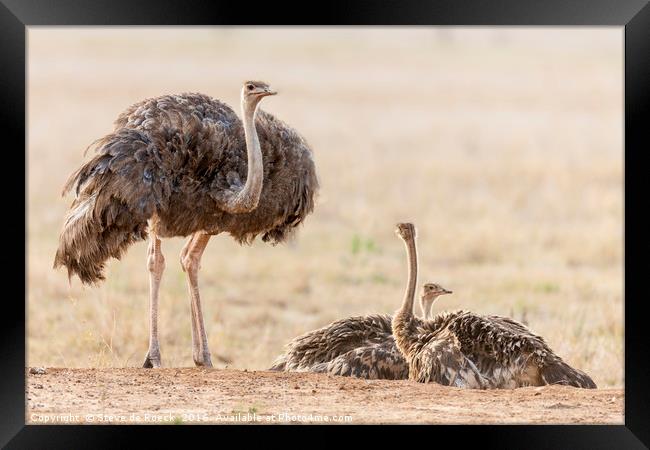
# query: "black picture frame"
[[633, 15]]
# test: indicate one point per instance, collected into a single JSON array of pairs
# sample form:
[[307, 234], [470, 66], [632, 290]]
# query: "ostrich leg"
[[184, 251], [191, 262], [156, 265]]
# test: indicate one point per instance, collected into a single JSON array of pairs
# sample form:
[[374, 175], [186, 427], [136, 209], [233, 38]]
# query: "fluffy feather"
[[170, 162]]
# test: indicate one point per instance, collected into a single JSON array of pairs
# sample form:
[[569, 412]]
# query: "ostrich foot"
[[202, 360], [152, 360]]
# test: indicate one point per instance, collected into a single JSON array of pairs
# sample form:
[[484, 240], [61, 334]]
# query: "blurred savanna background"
[[503, 146]]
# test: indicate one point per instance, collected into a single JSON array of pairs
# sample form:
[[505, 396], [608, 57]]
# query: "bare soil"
[[195, 395]]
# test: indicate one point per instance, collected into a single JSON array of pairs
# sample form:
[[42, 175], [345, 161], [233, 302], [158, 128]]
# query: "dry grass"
[[503, 146]]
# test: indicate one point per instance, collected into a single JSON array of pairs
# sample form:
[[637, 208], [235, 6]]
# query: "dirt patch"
[[192, 395]]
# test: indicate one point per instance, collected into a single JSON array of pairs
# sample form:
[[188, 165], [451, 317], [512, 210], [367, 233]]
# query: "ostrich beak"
[[445, 291], [269, 92]]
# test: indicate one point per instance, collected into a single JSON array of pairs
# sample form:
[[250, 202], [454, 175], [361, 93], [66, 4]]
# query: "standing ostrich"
[[186, 165], [358, 346], [467, 350]]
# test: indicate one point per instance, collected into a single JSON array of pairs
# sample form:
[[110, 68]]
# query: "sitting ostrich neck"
[[248, 197], [412, 256], [404, 324], [426, 306]]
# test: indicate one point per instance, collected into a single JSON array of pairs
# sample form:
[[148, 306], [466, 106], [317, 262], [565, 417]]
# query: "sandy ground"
[[191, 395]]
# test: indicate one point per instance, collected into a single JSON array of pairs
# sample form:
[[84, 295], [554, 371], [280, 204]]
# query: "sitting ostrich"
[[358, 346], [186, 165], [470, 351]]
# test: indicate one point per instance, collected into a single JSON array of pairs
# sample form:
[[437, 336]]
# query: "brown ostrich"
[[186, 165], [466, 350], [358, 346]]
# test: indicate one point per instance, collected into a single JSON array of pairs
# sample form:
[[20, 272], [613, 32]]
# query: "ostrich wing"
[[174, 109], [340, 337], [499, 338], [199, 152], [513, 325], [442, 361], [199, 140], [381, 361]]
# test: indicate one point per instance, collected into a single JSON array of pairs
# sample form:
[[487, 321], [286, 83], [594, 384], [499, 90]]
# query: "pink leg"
[[191, 262], [156, 266]]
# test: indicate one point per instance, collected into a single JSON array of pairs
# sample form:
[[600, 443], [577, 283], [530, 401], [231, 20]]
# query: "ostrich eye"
[[250, 87]]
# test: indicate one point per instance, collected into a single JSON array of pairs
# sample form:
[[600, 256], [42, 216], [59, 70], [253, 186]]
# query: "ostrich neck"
[[409, 296], [248, 198], [426, 308]]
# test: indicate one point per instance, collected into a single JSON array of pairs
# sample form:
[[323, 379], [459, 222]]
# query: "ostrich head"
[[430, 293], [406, 231], [253, 91]]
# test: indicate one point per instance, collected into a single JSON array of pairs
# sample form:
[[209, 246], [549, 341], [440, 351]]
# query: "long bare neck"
[[248, 198], [249, 112], [425, 306], [409, 295]]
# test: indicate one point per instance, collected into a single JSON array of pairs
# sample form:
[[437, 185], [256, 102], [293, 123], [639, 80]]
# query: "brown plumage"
[[186, 165], [358, 346], [175, 159], [466, 350]]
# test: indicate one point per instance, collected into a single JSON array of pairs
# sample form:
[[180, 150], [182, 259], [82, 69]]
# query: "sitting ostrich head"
[[430, 292], [406, 231]]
